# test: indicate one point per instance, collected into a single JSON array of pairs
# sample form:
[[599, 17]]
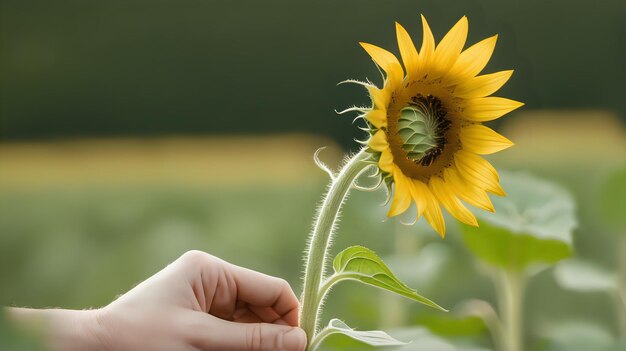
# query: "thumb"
[[226, 335]]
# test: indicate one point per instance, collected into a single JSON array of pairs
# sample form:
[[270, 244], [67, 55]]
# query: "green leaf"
[[370, 337], [578, 336], [452, 326], [584, 276], [362, 264], [612, 201], [421, 340], [425, 340], [535, 207], [500, 247], [533, 224]]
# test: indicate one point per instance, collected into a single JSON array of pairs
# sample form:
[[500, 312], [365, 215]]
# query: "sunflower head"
[[425, 124]]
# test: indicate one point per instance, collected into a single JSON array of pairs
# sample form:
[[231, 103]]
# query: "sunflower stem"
[[320, 239], [510, 299]]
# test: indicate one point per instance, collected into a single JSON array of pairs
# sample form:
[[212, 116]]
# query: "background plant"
[[531, 229]]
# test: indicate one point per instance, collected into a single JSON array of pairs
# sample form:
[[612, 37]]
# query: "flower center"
[[422, 126]]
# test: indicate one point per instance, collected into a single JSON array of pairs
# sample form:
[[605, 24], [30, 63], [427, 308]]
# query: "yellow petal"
[[472, 195], [378, 141], [427, 51], [488, 108], [420, 194], [443, 193], [386, 161], [483, 140], [387, 61], [407, 51], [401, 194], [448, 50], [482, 86], [433, 214], [380, 97], [377, 117], [478, 172], [472, 61]]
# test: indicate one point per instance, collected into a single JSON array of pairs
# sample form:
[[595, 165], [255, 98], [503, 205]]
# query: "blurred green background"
[[132, 131]]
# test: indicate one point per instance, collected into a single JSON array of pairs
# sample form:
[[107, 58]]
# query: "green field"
[[83, 222]]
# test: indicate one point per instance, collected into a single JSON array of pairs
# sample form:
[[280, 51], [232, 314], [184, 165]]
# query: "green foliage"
[[16, 340], [427, 267], [449, 325], [533, 224], [121, 235], [502, 248], [613, 197], [424, 340], [363, 265], [371, 337], [578, 336], [584, 276], [420, 339]]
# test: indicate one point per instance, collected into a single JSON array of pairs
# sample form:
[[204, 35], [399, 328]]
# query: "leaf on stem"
[[362, 264], [370, 337]]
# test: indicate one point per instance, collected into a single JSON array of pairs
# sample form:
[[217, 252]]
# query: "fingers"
[[219, 334], [254, 314], [260, 290], [224, 286]]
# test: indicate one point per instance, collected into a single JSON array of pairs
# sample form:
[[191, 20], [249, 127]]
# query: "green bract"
[[417, 131]]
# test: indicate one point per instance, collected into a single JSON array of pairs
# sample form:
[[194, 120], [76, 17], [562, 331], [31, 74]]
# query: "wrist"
[[95, 335], [63, 330]]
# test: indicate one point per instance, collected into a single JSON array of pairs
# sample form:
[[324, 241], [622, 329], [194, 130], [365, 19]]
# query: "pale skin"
[[199, 302]]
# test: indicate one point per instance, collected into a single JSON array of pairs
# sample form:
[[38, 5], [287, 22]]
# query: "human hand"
[[199, 302]]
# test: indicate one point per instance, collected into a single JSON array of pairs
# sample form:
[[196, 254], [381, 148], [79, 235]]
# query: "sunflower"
[[425, 125]]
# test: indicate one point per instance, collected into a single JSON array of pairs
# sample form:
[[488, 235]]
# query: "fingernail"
[[294, 340]]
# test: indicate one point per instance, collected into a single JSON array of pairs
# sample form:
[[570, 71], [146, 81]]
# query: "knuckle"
[[283, 283], [285, 288], [194, 257]]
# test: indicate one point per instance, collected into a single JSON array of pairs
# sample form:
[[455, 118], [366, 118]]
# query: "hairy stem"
[[320, 238], [319, 337]]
